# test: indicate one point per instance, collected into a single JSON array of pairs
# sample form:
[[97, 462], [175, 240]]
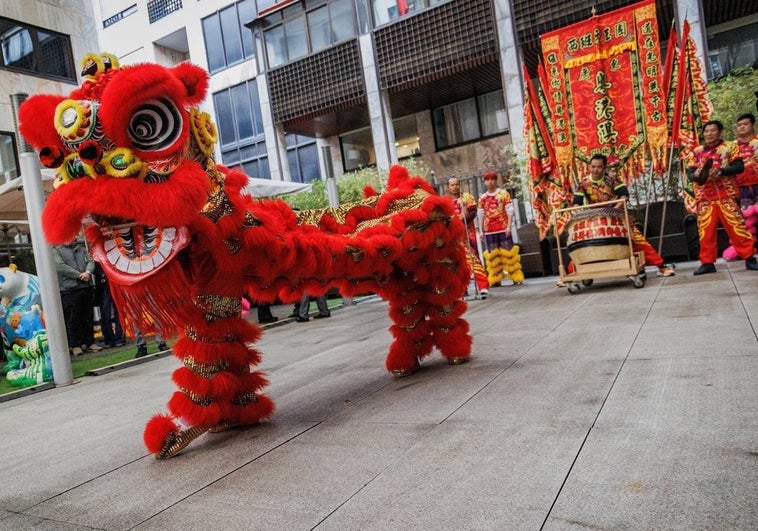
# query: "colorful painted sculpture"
[[181, 243], [19, 291], [31, 347]]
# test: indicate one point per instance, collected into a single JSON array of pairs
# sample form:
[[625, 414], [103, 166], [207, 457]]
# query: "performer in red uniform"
[[713, 168], [747, 143], [600, 186], [465, 207]]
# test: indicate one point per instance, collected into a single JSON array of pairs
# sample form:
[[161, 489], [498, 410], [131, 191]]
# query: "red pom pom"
[[157, 431]]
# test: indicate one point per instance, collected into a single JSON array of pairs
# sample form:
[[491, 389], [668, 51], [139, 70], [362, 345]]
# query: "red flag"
[[681, 84], [668, 65], [402, 7]]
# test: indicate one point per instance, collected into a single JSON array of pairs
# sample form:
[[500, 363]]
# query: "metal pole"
[[31, 177]]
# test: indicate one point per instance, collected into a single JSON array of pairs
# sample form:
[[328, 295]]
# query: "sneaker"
[[94, 347], [270, 320], [322, 315], [751, 264], [141, 351], [119, 343], [484, 292], [162, 347], [77, 351], [704, 269], [666, 271], [301, 319]]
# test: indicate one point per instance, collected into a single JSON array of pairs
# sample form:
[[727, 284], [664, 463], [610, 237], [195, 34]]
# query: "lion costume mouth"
[[130, 252]]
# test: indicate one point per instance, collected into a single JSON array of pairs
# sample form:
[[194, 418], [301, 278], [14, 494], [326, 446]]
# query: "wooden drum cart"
[[599, 244]]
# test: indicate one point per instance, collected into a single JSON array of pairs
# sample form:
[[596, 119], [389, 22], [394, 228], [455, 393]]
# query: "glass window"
[[492, 112], [297, 45], [460, 122], [227, 40], [319, 28], [242, 113], [456, 123], [230, 27], [36, 51], [308, 159], [224, 118], [343, 19], [257, 116], [276, 48], [247, 12], [214, 44], [358, 149], [406, 136], [8, 158]]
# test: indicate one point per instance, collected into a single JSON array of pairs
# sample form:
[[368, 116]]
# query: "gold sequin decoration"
[[203, 401], [445, 310], [192, 333], [243, 400], [202, 369], [217, 307], [176, 442], [251, 221], [233, 245]]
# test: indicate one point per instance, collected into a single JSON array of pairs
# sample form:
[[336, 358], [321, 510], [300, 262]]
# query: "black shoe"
[[141, 351], [322, 315], [751, 264], [271, 319], [301, 319], [162, 347], [704, 269]]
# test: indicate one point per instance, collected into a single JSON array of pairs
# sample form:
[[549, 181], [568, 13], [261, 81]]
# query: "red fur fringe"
[[157, 431]]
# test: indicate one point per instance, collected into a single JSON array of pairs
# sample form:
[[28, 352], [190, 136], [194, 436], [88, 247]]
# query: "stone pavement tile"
[[466, 476], [543, 393], [700, 335], [71, 432], [16, 522], [297, 485], [130, 493], [674, 448]]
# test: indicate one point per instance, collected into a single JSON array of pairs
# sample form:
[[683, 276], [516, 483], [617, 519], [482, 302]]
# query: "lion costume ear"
[[36, 118], [195, 79]]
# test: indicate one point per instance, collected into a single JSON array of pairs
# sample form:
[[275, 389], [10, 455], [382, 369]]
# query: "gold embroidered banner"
[[603, 84]]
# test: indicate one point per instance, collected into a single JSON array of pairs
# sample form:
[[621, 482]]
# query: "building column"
[[333, 142], [380, 114], [692, 11], [510, 68], [276, 146]]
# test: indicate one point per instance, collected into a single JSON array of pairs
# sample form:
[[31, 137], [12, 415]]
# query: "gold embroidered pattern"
[[202, 369], [215, 307]]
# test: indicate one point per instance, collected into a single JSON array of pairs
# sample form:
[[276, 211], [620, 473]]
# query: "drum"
[[598, 235]]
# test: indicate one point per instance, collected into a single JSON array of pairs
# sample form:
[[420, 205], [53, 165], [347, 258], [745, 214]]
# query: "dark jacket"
[[71, 260]]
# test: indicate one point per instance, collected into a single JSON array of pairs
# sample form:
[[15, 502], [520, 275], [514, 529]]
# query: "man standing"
[[747, 143], [465, 207], [600, 186], [713, 168], [75, 270]]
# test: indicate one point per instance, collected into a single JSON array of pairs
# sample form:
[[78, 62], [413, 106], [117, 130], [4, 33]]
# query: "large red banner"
[[603, 82]]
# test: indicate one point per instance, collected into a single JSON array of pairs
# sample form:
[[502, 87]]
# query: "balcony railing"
[[157, 9]]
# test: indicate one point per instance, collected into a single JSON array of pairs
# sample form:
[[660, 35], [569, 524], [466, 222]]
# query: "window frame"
[[479, 120], [67, 59], [247, 49]]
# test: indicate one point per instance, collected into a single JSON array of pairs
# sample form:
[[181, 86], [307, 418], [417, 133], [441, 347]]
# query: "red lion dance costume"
[[181, 244]]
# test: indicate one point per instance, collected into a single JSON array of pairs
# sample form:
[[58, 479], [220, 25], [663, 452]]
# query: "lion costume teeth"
[[181, 244]]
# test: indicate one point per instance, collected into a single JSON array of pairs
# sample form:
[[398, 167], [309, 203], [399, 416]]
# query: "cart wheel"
[[574, 288], [587, 282], [639, 281]]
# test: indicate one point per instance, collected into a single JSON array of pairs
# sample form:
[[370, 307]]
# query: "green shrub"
[[733, 95], [350, 185]]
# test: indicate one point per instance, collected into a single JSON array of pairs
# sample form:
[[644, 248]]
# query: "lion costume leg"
[[217, 389]]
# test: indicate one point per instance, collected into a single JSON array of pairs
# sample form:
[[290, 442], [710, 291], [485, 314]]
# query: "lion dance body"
[[181, 244]]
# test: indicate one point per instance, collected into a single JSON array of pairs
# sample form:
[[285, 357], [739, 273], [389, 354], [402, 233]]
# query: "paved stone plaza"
[[616, 408]]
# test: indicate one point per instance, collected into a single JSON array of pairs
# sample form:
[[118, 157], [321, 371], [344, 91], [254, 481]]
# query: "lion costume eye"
[[155, 125]]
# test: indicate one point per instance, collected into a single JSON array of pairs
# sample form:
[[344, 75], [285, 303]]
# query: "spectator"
[[305, 305], [139, 339], [113, 334], [75, 270]]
